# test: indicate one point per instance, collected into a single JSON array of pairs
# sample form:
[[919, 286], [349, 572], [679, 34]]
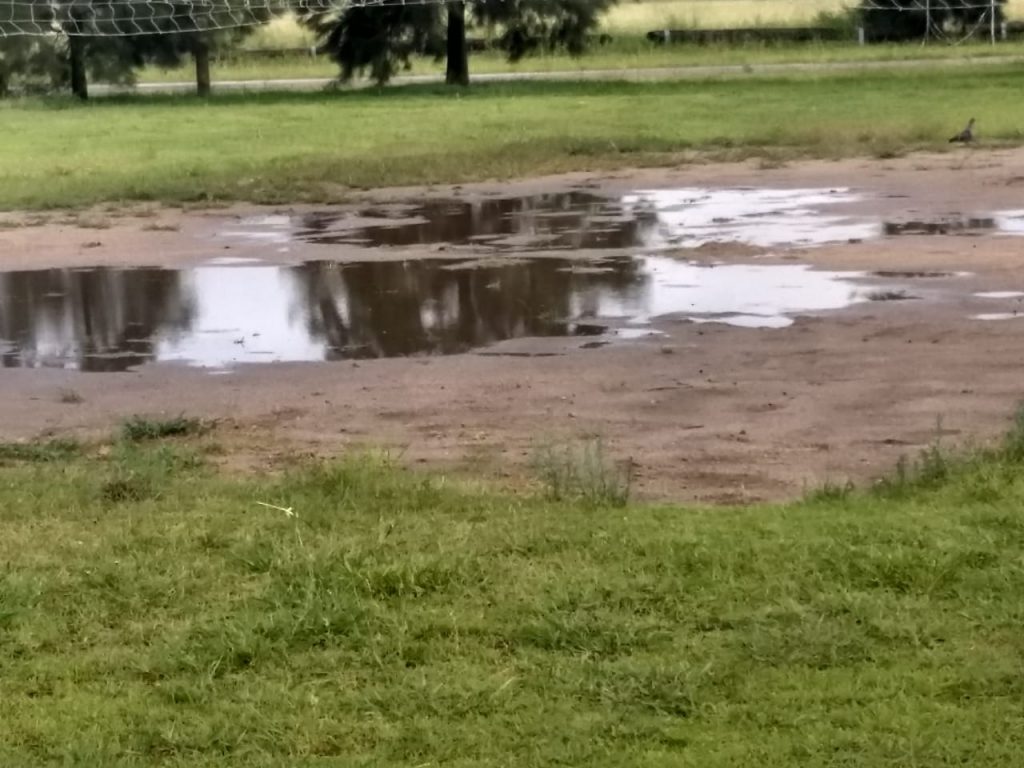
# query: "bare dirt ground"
[[708, 412]]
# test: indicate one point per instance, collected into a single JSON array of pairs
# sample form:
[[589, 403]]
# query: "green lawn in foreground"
[[289, 147], [625, 53], [152, 612]]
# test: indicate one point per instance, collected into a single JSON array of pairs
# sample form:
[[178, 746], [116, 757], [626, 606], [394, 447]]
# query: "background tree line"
[[87, 41]]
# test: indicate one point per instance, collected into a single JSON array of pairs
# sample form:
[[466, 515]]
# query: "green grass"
[[291, 147], [623, 54], [391, 619], [49, 451]]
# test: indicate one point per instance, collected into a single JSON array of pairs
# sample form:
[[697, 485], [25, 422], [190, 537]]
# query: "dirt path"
[[705, 412]]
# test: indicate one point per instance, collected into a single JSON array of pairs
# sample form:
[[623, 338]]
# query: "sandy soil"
[[707, 412]]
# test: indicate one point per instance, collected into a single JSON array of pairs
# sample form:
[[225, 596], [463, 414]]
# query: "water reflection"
[[761, 217], [91, 319], [569, 220], [688, 217], [107, 319], [386, 309]]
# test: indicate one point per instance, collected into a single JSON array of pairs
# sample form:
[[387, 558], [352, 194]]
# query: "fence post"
[[992, 20], [860, 36]]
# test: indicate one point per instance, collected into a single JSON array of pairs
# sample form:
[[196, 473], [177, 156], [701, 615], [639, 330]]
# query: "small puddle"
[[573, 220], [997, 316], [215, 316], [1000, 294], [653, 219], [693, 217], [647, 219], [1010, 222]]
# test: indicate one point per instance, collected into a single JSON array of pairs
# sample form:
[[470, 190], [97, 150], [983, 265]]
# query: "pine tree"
[[382, 40]]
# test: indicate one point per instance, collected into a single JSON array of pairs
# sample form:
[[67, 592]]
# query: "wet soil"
[[719, 401]]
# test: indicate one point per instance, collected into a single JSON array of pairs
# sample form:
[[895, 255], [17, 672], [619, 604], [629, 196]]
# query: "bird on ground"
[[966, 135]]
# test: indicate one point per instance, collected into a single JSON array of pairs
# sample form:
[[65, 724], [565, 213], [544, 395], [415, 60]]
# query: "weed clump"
[[937, 466], [71, 397], [140, 428], [584, 473]]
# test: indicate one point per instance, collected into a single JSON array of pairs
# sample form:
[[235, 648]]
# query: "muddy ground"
[[705, 412]]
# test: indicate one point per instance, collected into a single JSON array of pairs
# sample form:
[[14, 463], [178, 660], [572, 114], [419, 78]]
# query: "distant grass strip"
[[154, 612], [294, 147], [624, 53], [52, 450]]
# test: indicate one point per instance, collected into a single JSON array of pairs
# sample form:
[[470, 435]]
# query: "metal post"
[[861, 37], [992, 21], [927, 19]]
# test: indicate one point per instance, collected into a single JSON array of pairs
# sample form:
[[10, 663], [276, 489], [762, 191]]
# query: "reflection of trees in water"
[[385, 309], [564, 220], [98, 319]]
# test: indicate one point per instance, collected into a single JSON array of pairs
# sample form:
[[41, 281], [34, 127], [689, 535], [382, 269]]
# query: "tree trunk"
[[76, 59], [201, 55], [458, 51]]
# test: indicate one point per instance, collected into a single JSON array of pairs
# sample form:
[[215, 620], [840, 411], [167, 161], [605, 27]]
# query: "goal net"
[[122, 18]]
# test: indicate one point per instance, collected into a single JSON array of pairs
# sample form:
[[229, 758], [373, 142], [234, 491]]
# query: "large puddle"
[[234, 311], [108, 319], [647, 219]]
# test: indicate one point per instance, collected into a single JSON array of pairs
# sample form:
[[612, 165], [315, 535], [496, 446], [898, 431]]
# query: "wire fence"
[[101, 18]]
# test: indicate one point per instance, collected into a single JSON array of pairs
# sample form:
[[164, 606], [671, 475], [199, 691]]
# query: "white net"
[[103, 18], [114, 18]]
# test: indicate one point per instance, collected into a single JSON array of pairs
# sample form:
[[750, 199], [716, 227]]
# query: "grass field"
[[628, 53], [290, 147], [159, 610], [154, 612]]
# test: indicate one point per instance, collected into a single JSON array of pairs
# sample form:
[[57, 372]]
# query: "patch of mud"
[[962, 226], [903, 274], [890, 296]]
